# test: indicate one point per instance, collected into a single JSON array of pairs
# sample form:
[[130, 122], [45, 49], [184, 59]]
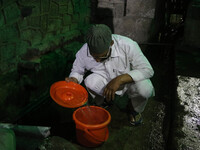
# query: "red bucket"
[[91, 125]]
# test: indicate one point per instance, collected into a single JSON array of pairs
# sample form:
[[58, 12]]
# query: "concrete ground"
[[152, 134], [122, 135], [161, 128]]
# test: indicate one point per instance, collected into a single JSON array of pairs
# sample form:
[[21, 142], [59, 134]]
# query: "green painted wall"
[[38, 42]]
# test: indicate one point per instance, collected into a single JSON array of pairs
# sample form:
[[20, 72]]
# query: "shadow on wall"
[[103, 16]]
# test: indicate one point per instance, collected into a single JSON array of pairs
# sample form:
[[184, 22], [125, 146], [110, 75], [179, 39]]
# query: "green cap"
[[99, 38]]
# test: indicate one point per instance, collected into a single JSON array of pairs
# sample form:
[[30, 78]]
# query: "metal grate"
[[176, 10]]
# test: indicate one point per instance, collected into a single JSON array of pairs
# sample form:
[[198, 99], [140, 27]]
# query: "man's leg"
[[139, 93], [95, 85]]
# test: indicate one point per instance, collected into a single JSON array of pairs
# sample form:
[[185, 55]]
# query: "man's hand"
[[111, 88], [71, 79], [114, 84]]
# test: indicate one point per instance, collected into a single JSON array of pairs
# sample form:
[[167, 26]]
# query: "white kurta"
[[126, 57]]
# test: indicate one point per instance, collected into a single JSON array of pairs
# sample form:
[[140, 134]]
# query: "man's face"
[[103, 56]]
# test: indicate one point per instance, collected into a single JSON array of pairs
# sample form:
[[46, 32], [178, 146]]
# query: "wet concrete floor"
[[152, 134]]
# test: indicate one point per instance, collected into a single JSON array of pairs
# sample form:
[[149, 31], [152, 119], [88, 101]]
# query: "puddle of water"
[[156, 135], [189, 94]]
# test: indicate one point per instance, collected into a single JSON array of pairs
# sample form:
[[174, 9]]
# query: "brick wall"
[[38, 24], [132, 18], [38, 42]]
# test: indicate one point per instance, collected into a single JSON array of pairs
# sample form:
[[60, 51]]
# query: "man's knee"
[[143, 88], [88, 82], [95, 83]]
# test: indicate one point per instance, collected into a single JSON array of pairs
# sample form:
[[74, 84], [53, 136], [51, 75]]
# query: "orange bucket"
[[91, 125]]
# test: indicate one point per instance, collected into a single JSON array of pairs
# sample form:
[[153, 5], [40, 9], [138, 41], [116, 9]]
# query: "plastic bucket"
[[91, 125]]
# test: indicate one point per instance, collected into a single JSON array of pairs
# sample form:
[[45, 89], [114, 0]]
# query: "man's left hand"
[[114, 85], [111, 88]]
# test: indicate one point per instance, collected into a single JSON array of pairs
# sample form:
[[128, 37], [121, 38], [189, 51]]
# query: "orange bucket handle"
[[97, 139]]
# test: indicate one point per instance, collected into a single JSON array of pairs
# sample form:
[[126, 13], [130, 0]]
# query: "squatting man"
[[117, 67]]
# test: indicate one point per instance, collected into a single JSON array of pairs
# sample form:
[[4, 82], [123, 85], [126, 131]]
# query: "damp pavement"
[[166, 123], [186, 125], [151, 134], [122, 135], [171, 118]]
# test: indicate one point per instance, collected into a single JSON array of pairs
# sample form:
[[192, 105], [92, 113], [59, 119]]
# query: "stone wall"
[[37, 24], [132, 18], [38, 42]]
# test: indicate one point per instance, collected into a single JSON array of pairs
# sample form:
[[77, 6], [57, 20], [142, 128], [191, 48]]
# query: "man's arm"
[[114, 85], [78, 69], [140, 70]]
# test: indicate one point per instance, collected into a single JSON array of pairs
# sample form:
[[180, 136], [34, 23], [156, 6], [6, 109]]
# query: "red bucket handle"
[[94, 137]]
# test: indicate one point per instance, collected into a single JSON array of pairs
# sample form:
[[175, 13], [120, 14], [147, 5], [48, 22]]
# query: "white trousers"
[[138, 92]]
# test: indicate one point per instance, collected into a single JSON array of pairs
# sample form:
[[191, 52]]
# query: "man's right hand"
[[71, 79]]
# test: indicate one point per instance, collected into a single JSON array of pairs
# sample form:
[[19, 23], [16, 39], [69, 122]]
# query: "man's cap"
[[98, 38]]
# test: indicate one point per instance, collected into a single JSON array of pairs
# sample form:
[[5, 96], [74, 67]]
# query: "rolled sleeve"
[[141, 69], [137, 75], [78, 69], [77, 76]]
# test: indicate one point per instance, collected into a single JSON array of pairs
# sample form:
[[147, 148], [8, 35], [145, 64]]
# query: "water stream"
[[90, 115]]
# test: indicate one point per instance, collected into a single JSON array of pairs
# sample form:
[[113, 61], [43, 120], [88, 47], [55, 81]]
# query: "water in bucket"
[[91, 116], [91, 125]]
